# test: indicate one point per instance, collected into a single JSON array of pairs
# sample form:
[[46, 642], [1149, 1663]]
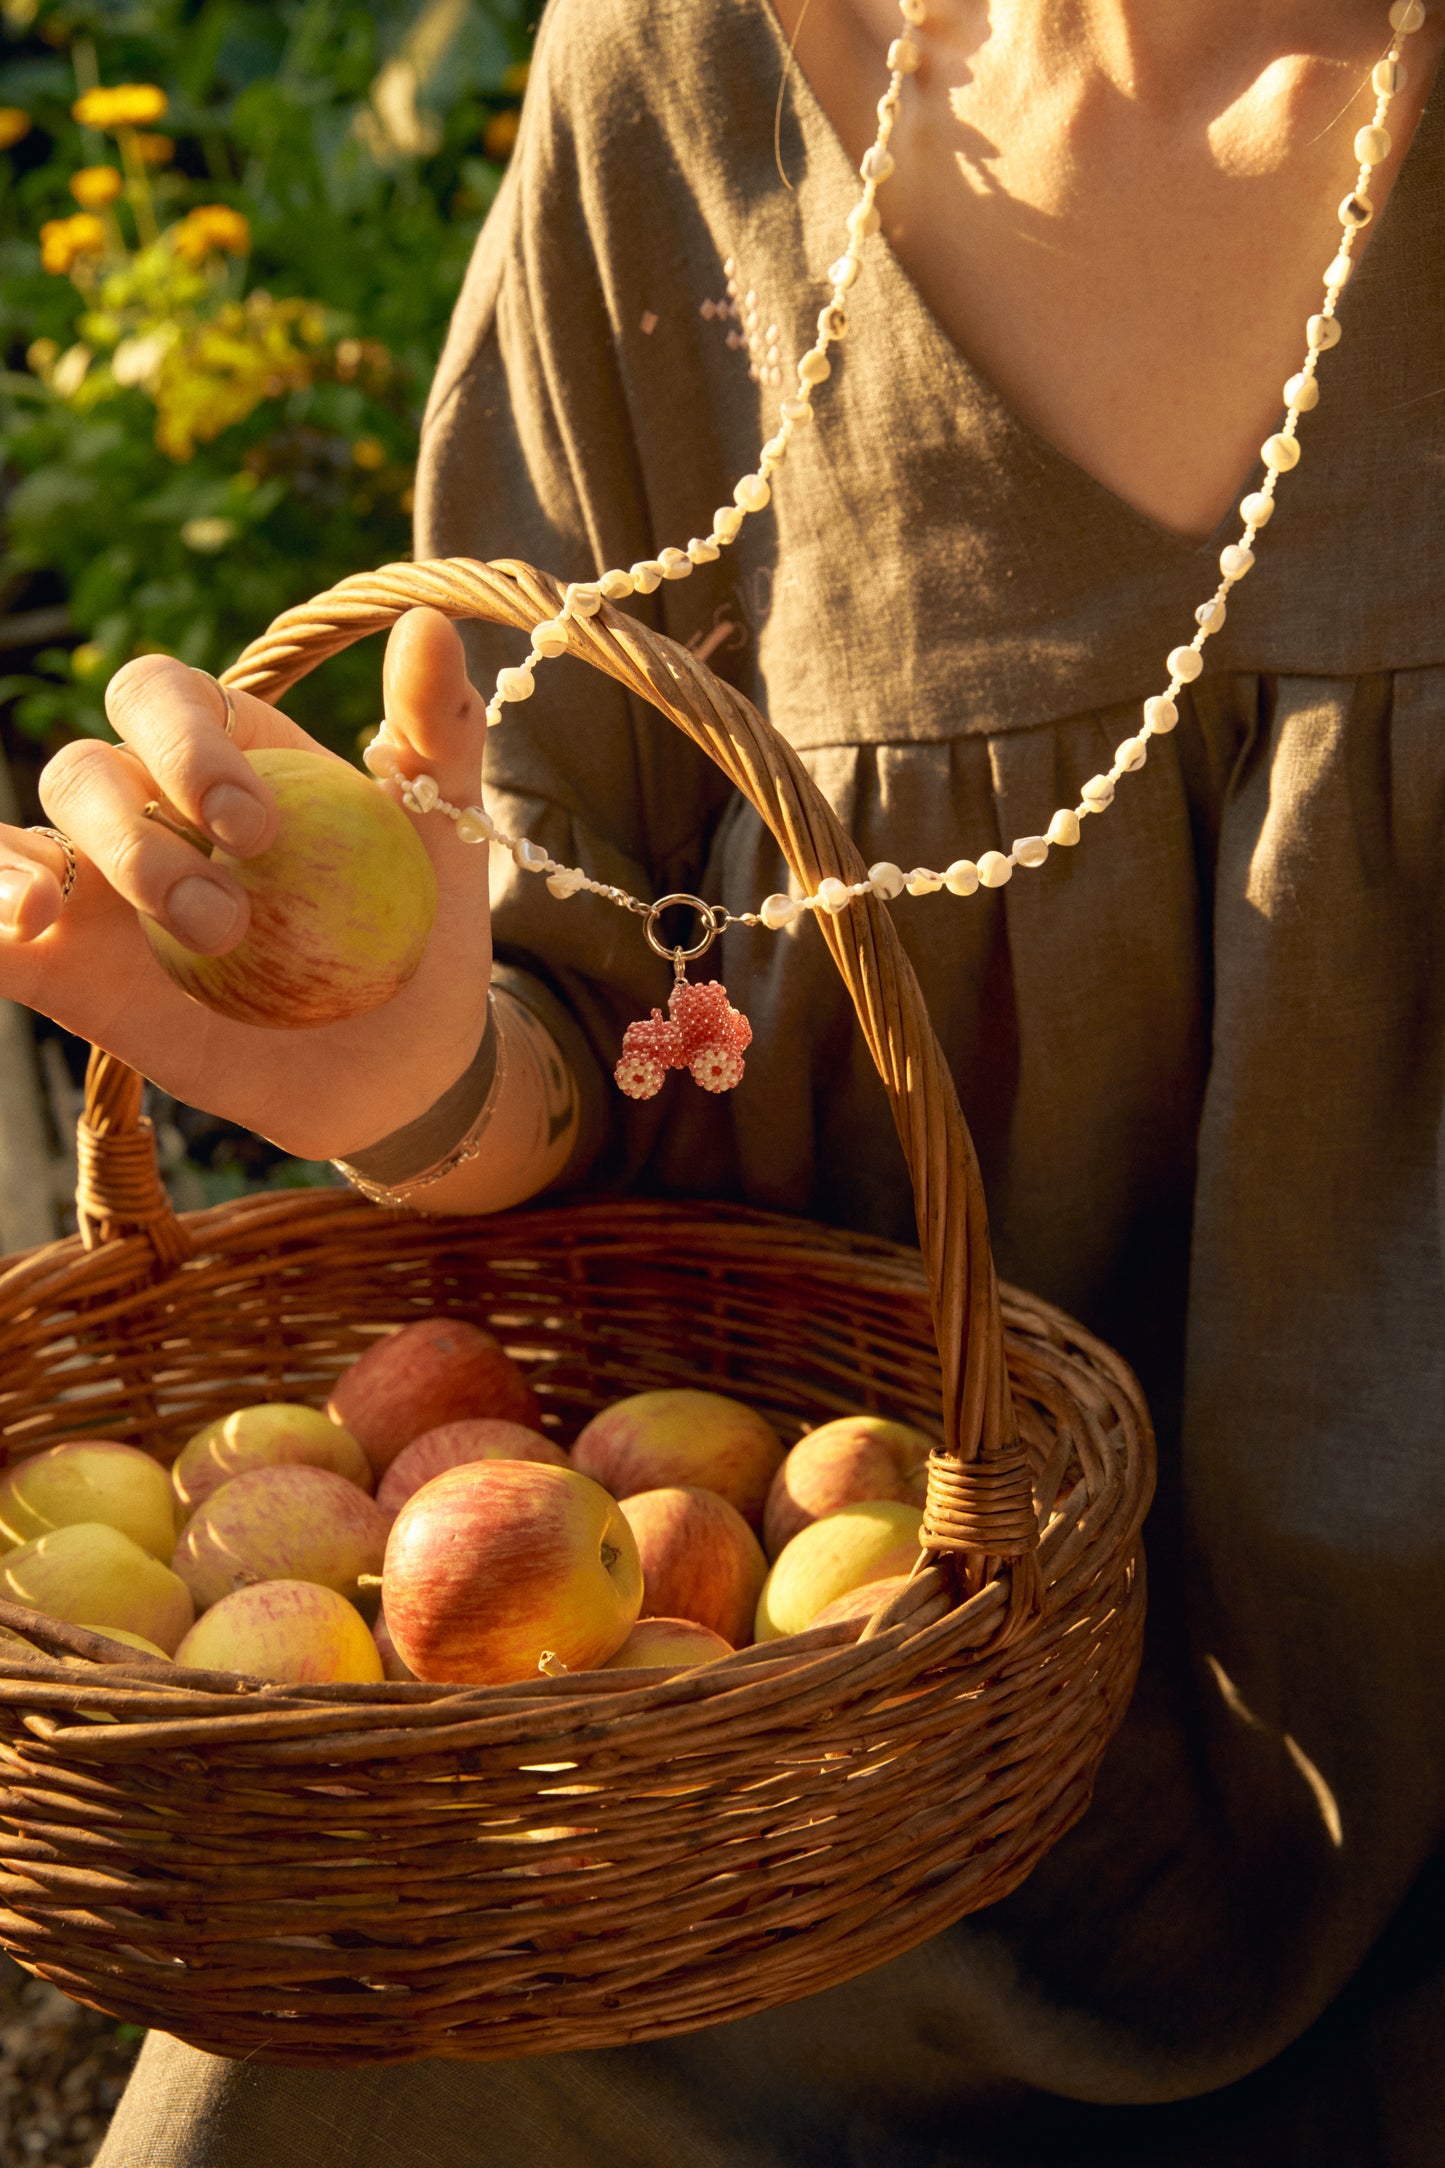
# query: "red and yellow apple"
[[131, 1641], [451, 1445], [652, 1441], [281, 1524], [498, 1562], [671, 1644], [292, 1631], [700, 1560], [273, 1434], [392, 1665], [434, 1371], [861, 1603], [845, 1463], [88, 1574], [93, 1479], [342, 903], [862, 1543]]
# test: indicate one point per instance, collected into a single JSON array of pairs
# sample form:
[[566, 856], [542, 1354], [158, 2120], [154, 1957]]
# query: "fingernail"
[[199, 912], [16, 883], [234, 817]]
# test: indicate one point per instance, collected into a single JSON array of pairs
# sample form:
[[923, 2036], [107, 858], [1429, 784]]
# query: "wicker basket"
[[352, 1874]]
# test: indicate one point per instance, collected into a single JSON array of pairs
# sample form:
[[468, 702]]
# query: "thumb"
[[435, 720]]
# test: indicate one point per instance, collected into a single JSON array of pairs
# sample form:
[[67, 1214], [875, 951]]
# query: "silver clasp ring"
[[707, 912]]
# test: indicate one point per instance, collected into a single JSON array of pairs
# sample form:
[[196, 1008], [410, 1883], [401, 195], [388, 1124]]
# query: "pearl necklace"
[[1280, 454]]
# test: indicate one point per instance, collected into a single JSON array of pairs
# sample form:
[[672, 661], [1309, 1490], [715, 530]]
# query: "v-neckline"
[[815, 122]]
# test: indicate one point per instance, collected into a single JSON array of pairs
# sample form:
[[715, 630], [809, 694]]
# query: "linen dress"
[[1199, 1052]]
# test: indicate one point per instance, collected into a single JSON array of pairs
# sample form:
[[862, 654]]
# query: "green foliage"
[[205, 418]]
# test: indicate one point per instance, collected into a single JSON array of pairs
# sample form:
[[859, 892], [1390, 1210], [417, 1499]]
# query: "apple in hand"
[[495, 1563], [91, 1480], [651, 1441], [861, 1543], [434, 1371], [342, 903], [450, 1445], [272, 1434], [87, 1574], [700, 1560], [672, 1644], [844, 1463], [281, 1524], [295, 1632]]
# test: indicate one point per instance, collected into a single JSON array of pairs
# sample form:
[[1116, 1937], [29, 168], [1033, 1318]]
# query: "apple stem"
[[368, 1580], [551, 1663]]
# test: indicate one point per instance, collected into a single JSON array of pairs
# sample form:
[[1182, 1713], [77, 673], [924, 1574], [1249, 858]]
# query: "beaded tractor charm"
[[702, 1032]]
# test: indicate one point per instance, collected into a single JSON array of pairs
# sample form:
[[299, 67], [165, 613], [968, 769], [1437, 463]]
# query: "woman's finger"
[[33, 874], [97, 795], [174, 720]]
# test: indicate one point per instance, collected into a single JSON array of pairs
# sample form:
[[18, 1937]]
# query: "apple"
[[499, 1562], [700, 1560], [450, 1445], [342, 903], [274, 1433], [843, 1463], [672, 1644], [392, 1666], [91, 1480], [858, 1544], [132, 1641], [652, 1441], [281, 1524], [289, 1630], [434, 1371], [88, 1574], [860, 1603]]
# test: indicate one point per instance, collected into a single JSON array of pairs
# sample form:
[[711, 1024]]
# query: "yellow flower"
[[155, 150], [211, 226], [93, 187], [369, 452], [14, 123], [125, 105], [64, 240], [87, 660], [500, 134]]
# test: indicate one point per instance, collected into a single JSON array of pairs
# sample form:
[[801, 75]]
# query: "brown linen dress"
[[1200, 1054]]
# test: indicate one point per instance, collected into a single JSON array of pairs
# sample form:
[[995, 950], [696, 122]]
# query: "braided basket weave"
[[351, 1874]]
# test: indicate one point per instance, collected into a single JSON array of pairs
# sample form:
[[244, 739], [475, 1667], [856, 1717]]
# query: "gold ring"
[[229, 718], [72, 863]]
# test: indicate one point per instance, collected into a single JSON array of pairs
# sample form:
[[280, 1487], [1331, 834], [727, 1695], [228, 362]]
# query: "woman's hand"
[[318, 1093]]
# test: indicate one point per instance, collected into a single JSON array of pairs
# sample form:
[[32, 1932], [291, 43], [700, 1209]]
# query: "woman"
[[1200, 1053]]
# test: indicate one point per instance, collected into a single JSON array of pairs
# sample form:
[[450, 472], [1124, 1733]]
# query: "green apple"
[[93, 1479], [91, 1575], [272, 1434], [861, 1543], [342, 903]]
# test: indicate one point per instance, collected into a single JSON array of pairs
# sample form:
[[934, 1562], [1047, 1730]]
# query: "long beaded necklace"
[[702, 1032]]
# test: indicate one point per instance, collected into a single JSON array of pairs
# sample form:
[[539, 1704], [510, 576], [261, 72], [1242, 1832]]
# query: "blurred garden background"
[[231, 234]]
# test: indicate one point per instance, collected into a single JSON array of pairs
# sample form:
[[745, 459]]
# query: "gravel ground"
[[62, 2070]]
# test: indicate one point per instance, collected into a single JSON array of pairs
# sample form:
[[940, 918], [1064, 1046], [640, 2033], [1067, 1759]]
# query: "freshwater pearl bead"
[[1405, 16], [531, 857], [815, 367], [424, 791], [752, 493], [797, 411], [1303, 392], [1185, 663], [1064, 827], [1339, 271], [474, 826], [834, 895], [864, 221], [1030, 850], [1161, 714], [1211, 615], [1280, 452], [1131, 755], [726, 522], [923, 881], [1256, 509], [584, 600], [550, 637], [1235, 560], [675, 563], [1356, 210], [565, 882], [878, 164], [916, 11], [887, 879], [703, 553], [961, 878], [1322, 332], [903, 56], [1372, 145], [646, 576], [1097, 793], [844, 272], [515, 684], [616, 585], [779, 911], [1389, 77], [994, 869]]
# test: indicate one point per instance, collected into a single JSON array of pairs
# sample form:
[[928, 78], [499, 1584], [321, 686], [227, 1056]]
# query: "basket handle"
[[980, 1503]]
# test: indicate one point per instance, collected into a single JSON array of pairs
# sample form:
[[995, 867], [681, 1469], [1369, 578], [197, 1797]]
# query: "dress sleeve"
[[529, 450]]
